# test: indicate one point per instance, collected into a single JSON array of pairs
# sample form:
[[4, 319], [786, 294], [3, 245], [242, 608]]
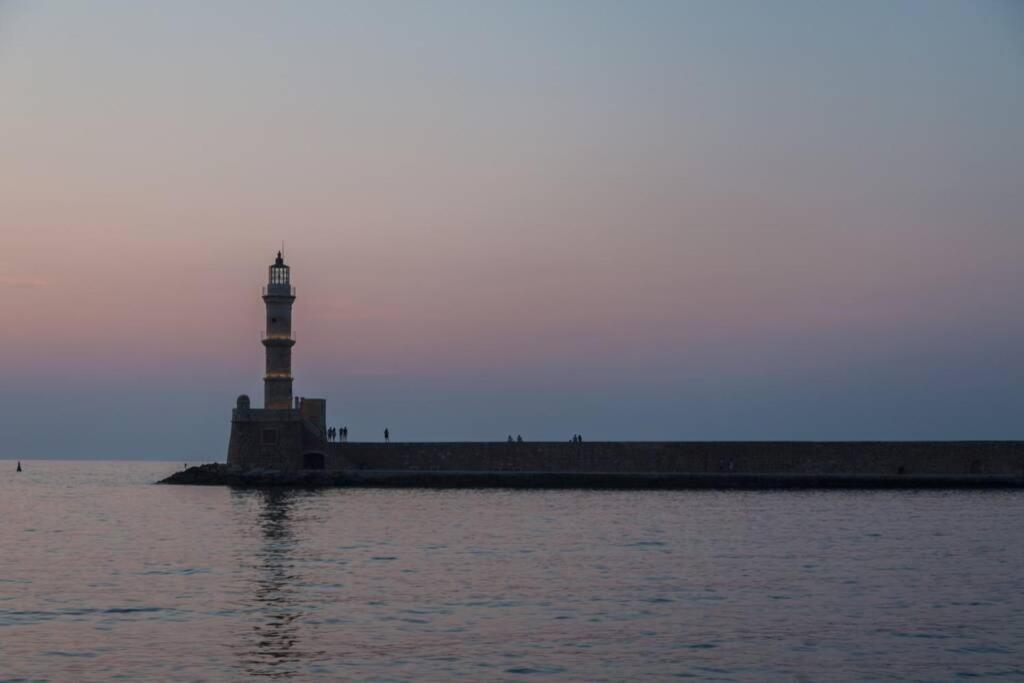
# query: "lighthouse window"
[[269, 436], [278, 276]]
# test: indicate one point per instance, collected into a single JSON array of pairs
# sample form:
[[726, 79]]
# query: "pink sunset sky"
[[632, 220]]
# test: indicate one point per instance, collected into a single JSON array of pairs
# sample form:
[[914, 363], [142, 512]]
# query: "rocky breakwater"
[[218, 474]]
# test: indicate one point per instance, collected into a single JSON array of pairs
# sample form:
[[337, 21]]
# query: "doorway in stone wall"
[[312, 461]]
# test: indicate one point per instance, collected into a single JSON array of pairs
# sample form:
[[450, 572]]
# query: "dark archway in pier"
[[312, 461]]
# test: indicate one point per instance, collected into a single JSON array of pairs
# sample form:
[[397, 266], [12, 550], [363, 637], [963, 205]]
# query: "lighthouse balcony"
[[284, 290]]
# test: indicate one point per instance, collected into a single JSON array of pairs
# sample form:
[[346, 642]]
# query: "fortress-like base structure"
[[285, 443], [280, 439]]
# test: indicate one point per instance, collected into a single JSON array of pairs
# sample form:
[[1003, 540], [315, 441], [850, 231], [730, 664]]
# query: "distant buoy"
[[19, 466]]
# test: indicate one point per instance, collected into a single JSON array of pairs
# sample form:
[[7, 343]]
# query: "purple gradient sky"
[[631, 220]]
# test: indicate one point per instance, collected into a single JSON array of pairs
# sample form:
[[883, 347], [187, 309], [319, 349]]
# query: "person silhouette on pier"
[[19, 466], [387, 435]]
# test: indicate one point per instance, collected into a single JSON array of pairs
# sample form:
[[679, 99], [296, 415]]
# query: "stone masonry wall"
[[295, 437], [1003, 458]]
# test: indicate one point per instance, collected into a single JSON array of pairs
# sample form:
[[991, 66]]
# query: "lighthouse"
[[280, 435], [278, 295]]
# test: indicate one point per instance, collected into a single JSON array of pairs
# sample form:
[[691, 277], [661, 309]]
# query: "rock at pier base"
[[223, 475]]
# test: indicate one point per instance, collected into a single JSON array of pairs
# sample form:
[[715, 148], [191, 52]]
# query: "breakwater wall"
[[640, 465], [1001, 459]]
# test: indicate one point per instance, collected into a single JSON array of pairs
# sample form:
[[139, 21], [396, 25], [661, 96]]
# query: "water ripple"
[[175, 583]]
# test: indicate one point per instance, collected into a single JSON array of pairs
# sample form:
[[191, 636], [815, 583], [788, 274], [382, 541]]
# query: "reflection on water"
[[272, 647], [104, 576]]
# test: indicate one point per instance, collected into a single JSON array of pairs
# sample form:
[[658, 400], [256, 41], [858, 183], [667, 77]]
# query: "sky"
[[629, 220]]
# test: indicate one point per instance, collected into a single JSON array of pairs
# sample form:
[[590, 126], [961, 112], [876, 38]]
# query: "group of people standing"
[[340, 434], [576, 438]]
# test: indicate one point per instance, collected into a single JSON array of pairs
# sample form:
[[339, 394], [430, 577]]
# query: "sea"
[[106, 576]]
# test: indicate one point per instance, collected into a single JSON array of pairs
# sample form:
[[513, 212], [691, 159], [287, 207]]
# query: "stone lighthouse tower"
[[279, 295], [279, 436]]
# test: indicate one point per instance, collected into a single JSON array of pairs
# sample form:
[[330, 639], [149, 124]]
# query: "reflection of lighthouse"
[[272, 647], [279, 296]]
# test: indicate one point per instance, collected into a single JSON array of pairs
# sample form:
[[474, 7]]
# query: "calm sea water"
[[104, 576]]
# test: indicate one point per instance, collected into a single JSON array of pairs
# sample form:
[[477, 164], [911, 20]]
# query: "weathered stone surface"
[[719, 464], [881, 458]]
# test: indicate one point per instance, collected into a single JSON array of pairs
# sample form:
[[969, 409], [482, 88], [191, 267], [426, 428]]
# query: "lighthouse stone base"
[[269, 439]]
